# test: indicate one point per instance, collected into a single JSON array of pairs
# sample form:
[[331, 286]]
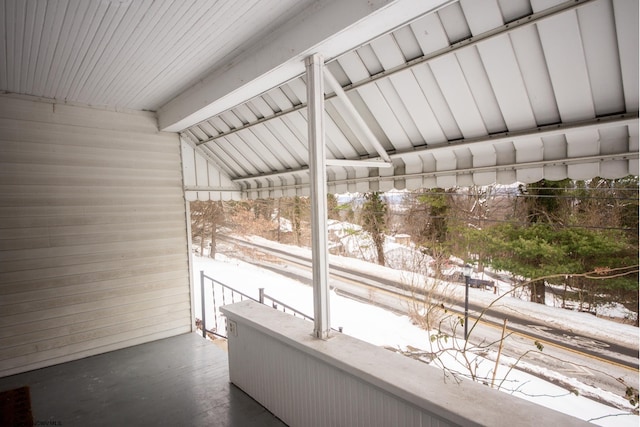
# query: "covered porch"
[[114, 114]]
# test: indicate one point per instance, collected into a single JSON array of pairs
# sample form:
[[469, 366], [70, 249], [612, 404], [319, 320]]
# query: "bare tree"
[[205, 219]]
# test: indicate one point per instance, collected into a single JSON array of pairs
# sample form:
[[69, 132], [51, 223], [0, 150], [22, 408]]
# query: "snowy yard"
[[384, 328]]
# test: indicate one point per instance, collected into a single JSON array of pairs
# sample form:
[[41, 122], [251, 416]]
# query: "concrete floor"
[[178, 381]]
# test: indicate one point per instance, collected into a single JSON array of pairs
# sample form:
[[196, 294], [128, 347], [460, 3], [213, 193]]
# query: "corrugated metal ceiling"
[[476, 93], [480, 91]]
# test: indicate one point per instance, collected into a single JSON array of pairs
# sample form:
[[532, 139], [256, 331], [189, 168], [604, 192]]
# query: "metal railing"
[[279, 305], [222, 294], [225, 295]]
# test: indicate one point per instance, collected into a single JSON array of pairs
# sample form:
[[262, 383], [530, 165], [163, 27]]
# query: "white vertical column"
[[318, 182]]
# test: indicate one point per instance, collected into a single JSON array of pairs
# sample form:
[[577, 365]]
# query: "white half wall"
[[93, 236], [343, 381]]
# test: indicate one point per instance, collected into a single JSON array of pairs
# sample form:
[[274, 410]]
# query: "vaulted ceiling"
[[444, 93]]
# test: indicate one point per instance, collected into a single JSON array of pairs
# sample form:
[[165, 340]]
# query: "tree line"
[[557, 229]]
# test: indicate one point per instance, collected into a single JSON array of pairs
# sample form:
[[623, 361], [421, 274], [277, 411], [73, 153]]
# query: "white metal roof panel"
[[454, 86], [519, 103], [535, 74], [475, 91], [626, 24], [484, 94]]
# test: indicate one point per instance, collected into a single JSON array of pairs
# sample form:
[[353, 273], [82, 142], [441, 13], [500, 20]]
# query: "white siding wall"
[[93, 239]]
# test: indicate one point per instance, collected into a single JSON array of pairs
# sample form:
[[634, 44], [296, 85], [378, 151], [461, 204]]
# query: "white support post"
[[318, 181]]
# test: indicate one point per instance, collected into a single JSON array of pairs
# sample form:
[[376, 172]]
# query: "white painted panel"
[[68, 31], [230, 118], [514, 9], [437, 102], [286, 152], [219, 124], [292, 125], [505, 75], [413, 165], [390, 56], [530, 175], [338, 141], [615, 169], [634, 143], [411, 136], [603, 61], [114, 220], [464, 158], [445, 160], [407, 42], [506, 177], [555, 172], [454, 22], [626, 22], [229, 156], [354, 135], [535, 74], [253, 149], [633, 167], [583, 171], [383, 113], [505, 155], [555, 147], [214, 176], [529, 150], [418, 108], [583, 143], [430, 182], [375, 101], [369, 59], [387, 184], [361, 186], [338, 382], [202, 177], [464, 180], [483, 155], [81, 46], [482, 16], [208, 151], [614, 140], [388, 52], [4, 26], [447, 181], [563, 49], [453, 85], [340, 174], [483, 93], [188, 164], [484, 178], [429, 33]]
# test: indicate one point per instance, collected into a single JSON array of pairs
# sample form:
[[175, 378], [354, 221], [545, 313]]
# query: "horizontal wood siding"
[[93, 238]]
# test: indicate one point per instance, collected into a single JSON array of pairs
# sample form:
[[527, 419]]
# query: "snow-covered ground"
[[577, 322], [383, 328]]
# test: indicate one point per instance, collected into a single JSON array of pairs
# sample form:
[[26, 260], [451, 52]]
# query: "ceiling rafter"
[[614, 120], [525, 21], [453, 172]]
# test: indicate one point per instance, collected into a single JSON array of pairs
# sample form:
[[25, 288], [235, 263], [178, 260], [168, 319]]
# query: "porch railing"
[[279, 305], [222, 294]]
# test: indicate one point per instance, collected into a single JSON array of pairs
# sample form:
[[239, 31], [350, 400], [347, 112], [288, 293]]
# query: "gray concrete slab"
[[178, 381]]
